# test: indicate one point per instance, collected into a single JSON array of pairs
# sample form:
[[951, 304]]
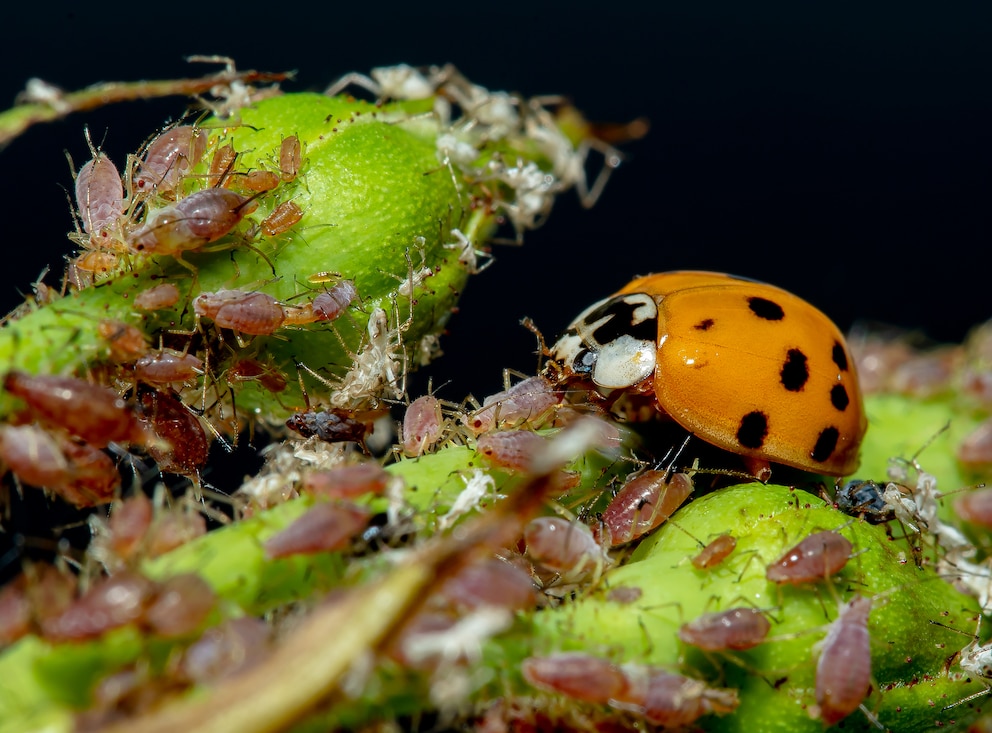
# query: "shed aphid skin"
[[975, 659]]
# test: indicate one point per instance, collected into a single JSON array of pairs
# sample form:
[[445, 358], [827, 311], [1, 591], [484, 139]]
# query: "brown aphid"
[[125, 342], [567, 548], [333, 426], [91, 412], [975, 507], [643, 504], [260, 181], [512, 450], [100, 200], [843, 671], [182, 445], [975, 450], [284, 217], [128, 525], [529, 402], [221, 165], [169, 157], [325, 527], [181, 606], [174, 528], [254, 313], [577, 675], [347, 482], [331, 303], [252, 370], [715, 552], [193, 221], [736, 629], [110, 603], [168, 366], [95, 262], [815, 558], [423, 426], [93, 476], [290, 158], [225, 650], [674, 700], [157, 297]]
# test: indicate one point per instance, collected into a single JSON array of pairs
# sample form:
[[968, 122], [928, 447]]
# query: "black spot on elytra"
[[764, 308], [839, 398], [704, 325], [795, 372], [825, 444], [840, 356], [753, 429], [619, 315]]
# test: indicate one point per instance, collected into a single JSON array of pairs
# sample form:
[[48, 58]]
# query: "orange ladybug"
[[743, 365]]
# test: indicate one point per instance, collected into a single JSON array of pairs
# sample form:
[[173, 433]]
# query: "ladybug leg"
[[760, 468]]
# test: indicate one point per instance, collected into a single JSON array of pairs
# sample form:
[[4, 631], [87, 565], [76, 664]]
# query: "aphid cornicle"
[[743, 365]]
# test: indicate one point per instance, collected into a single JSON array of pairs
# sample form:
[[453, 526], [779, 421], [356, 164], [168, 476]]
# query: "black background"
[[843, 153]]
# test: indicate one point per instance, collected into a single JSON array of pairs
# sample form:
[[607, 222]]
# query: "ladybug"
[[743, 365]]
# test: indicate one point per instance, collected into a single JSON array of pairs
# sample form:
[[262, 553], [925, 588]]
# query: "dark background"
[[841, 153]]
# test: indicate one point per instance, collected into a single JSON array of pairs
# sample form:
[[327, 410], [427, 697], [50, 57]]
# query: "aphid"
[[15, 611], [643, 504], [290, 158], [100, 200], [128, 524], [843, 671], [715, 552], [579, 676], [225, 650], [332, 426], [252, 370], [568, 548], [260, 181], [169, 157], [125, 342], [529, 402], [325, 527], [181, 605], [110, 603], [167, 366], [863, 499], [490, 582], [510, 449], [975, 450], [331, 303], [93, 477], [193, 221], [743, 365], [221, 165], [975, 507], [816, 557], [423, 426], [674, 700], [91, 412], [96, 262], [347, 482], [254, 313], [182, 446], [735, 628], [157, 297], [285, 216]]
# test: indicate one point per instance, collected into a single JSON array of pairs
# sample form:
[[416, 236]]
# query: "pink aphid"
[[157, 297], [100, 200], [283, 218], [168, 366], [254, 313], [110, 603], [347, 482], [975, 450], [815, 558], [128, 524], [843, 671], [181, 605], [330, 304], [975, 507], [252, 370], [490, 582], [577, 675], [510, 449], [125, 342], [226, 649], [191, 222], [423, 426], [15, 611], [91, 412], [93, 477], [673, 700], [567, 548], [290, 158], [643, 504], [735, 628], [529, 402], [169, 157], [325, 527], [715, 552]]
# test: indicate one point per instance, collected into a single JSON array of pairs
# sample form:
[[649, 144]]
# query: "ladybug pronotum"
[[743, 365]]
